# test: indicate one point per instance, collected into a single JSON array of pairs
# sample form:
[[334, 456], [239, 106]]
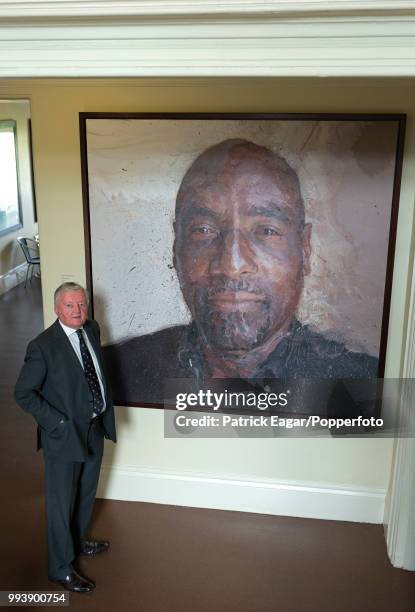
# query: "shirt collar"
[[68, 330]]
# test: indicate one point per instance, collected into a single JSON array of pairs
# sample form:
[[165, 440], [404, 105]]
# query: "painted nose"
[[234, 256]]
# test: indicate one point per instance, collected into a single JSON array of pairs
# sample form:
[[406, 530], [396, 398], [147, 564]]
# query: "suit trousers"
[[70, 489]]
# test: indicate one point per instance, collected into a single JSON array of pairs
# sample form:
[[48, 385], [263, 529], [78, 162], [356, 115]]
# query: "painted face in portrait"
[[72, 308], [242, 247]]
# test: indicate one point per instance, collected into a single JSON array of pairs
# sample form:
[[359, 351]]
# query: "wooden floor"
[[170, 559]]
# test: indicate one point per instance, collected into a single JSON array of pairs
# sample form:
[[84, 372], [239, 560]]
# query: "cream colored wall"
[[10, 252], [55, 108]]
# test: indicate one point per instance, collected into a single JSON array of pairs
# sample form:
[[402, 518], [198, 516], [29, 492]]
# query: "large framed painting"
[[234, 246]]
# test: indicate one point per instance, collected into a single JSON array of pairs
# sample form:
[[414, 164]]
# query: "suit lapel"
[[67, 349]]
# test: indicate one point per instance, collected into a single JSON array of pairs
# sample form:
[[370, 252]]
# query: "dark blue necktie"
[[90, 374]]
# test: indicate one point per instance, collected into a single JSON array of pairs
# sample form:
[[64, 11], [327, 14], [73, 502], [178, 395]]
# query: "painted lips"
[[232, 299]]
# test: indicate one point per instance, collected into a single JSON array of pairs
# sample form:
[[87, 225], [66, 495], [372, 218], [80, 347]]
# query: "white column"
[[400, 536]]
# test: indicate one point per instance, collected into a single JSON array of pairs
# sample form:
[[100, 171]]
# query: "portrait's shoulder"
[[153, 352], [164, 341], [331, 358], [138, 366]]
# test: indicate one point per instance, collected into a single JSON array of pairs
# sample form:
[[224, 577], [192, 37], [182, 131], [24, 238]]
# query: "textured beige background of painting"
[[346, 172]]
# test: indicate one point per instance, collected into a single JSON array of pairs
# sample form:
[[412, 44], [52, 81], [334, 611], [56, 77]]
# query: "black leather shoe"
[[90, 548], [75, 582]]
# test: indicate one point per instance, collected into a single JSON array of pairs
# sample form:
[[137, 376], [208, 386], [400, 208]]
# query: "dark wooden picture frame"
[[367, 132]]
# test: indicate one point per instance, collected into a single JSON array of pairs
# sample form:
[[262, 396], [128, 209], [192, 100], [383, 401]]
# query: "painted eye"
[[203, 230], [269, 231]]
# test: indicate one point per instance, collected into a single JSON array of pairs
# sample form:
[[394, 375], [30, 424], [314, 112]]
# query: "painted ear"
[[306, 248]]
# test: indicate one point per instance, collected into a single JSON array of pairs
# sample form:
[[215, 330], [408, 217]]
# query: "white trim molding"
[[400, 527], [12, 278], [106, 8], [298, 499], [206, 38]]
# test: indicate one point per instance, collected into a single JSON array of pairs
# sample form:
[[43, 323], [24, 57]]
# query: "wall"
[[11, 256], [144, 464]]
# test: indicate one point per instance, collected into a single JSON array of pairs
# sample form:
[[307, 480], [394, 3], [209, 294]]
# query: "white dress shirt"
[[74, 340]]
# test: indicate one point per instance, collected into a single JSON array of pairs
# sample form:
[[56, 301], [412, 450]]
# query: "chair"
[[29, 246]]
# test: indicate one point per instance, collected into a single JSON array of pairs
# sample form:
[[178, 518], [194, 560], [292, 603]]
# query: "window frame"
[[11, 123]]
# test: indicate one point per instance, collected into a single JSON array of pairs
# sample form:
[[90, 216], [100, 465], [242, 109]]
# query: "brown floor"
[[170, 559]]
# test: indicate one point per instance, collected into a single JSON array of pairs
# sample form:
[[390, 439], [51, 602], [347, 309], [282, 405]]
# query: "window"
[[10, 210]]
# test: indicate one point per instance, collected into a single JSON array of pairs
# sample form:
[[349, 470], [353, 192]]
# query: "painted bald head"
[[242, 246]]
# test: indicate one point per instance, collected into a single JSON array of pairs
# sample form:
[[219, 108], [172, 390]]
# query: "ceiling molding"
[[52, 9], [190, 44]]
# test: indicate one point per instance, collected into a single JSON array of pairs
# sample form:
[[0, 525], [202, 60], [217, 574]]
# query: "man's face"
[[241, 251], [72, 308]]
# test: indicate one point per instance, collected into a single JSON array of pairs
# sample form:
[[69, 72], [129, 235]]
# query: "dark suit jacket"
[[52, 387]]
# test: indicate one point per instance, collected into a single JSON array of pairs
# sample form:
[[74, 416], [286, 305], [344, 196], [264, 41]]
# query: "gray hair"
[[69, 286]]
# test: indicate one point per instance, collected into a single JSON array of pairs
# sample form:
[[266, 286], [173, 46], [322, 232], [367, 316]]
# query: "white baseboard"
[[12, 278], [277, 498]]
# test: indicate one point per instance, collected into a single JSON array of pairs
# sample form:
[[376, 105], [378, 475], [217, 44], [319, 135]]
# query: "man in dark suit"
[[62, 385]]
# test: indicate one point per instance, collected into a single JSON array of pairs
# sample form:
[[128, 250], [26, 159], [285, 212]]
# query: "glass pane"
[[9, 191]]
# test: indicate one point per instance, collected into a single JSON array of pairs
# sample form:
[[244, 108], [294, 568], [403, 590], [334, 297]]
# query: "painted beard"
[[234, 326]]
